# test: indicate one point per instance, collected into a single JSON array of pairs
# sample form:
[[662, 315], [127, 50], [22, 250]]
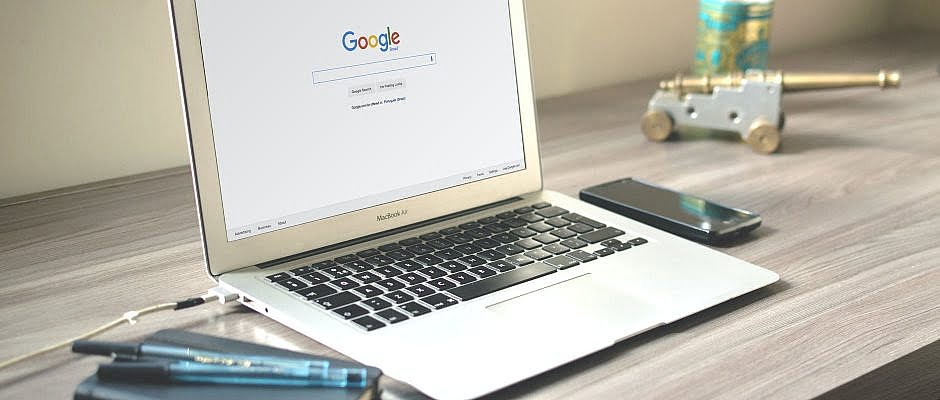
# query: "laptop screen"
[[324, 108]]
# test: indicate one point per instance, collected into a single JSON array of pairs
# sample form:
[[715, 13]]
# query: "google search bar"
[[373, 68]]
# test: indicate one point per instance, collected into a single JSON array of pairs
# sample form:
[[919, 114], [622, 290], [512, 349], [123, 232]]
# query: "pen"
[[194, 372], [131, 351]]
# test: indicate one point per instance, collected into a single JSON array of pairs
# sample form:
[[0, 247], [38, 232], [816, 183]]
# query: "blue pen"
[[194, 372], [131, 351]]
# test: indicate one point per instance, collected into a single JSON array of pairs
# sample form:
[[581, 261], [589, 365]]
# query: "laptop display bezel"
[[223, 255]]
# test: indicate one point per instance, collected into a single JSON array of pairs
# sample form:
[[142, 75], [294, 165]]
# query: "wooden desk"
[[851, 225]]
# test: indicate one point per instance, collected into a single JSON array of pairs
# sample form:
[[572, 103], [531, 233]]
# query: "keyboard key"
[[524, 232], [450, 231], [621, 246], [638, 241], [488, 220], [506, 215], [441, 244], [519, 260], [420, 290], [538, 254], [510, 249], [449, 254], [557, 222], [502, 265], [541, 205], [481, 272], [491, 255], [545, 238], [601, 235], [376, 303], [497, 228], [453, 266], [556, 249], [391, 284], [412, 278], [486, 243], [442, 284], [337, 300], [420, 249], [561, 262], [431, 236], [523, 210], [347, 258], [381, 260], [317, 291], [501, 281], [429, 260], [400, 255], [280, 276], [399, 297], [358, 266], [414, 309], [472, 261], [314, 278], [367, 277], [582, 256], [324, 264], [528, 244], [462, 278], [469, 225], [368, 291], [292, 284], [344, 283], [351, 311], [604, 252], [409, 265], [368, 253], [410, 241], [303, 270], [515, 223], [387, 271], [368, 323], [580, 227], [390, 247], [468, 249], [439, 301], [531, 218], [610, 242], [505, 238], [432, 272], [564, 233], [391, 316], [541, 227], [478, 233], [584, 220], [574, 243], [551, 212], [460, 238], [336, 272]]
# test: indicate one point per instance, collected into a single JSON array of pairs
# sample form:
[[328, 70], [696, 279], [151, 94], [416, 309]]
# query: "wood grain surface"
[[851, 225]]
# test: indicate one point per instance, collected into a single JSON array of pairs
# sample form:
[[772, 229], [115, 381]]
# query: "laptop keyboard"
[[394, 282]]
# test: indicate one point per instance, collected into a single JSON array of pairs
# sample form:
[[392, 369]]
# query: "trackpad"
[[579, 306]]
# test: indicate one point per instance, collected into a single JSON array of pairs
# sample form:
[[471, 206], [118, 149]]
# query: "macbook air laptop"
[[368, 174]]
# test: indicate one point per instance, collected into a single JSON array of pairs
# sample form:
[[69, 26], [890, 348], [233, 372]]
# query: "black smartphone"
[[682, 214]]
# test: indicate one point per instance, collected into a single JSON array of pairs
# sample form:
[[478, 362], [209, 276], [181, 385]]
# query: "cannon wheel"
[[763, 137], [657, 126]]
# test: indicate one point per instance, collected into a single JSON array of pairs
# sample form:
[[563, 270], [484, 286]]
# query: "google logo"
[[382, 41]]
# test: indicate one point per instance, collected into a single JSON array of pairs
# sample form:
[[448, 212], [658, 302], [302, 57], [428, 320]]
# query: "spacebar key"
[[489, 285], [601, 235]]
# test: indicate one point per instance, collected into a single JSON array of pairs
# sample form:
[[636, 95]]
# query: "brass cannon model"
[[747, 103]]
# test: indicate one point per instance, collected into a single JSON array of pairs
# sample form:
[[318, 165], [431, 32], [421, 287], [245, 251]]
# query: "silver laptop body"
[[326, 137]]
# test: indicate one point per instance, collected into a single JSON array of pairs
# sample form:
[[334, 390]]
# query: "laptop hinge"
[[382, 234]]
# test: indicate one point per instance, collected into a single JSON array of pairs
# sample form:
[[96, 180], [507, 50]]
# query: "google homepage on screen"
[[323, 108]]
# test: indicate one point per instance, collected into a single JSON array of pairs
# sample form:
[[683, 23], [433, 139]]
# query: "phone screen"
[[679, 207]]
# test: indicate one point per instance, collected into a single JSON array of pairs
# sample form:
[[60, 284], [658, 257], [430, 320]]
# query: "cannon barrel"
[[790, 82]]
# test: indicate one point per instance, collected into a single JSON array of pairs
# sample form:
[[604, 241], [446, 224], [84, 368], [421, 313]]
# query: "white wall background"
[[88, 89]]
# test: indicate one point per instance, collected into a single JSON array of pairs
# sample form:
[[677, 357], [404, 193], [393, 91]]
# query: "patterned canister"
[[732, 35]]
